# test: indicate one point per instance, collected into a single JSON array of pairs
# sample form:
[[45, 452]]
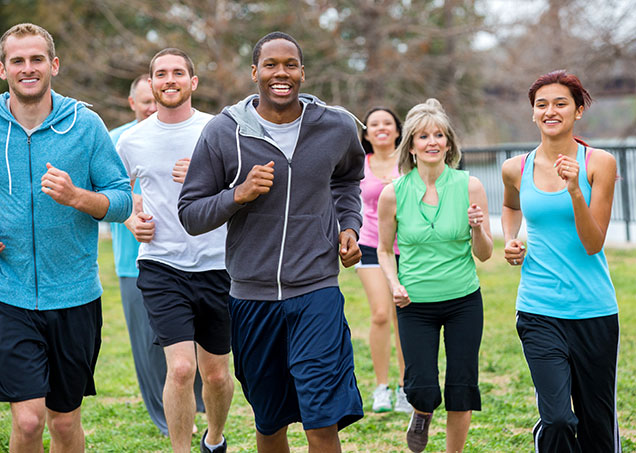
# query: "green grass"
[[116, 420]]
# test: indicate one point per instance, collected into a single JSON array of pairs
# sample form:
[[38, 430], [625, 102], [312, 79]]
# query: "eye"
[[423, 136]]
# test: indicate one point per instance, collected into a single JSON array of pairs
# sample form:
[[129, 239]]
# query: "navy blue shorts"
[[294, 360], [49, 354], [186, 306]]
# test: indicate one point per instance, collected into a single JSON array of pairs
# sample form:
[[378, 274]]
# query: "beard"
[[171, 103], [29, 97]]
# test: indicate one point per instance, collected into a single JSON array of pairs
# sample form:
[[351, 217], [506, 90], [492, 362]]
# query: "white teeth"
[[170, 90], [551, 122], [382, 135], [29, 80]]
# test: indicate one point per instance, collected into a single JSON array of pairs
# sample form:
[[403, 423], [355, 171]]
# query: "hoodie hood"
[[248, 125], [60, 120]]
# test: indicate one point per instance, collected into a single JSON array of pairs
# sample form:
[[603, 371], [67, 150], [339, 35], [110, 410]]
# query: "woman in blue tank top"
[[567, 314]]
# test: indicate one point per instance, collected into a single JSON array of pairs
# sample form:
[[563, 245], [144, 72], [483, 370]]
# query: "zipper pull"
[[433, 225]]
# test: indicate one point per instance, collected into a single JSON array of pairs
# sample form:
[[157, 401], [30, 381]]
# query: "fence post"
[[624, 181]]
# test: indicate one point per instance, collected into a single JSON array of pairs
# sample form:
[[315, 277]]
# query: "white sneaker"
[[401, 403], [382, 398]]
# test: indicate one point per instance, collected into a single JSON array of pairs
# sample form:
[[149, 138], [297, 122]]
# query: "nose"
[[281, 71], [550, 110]]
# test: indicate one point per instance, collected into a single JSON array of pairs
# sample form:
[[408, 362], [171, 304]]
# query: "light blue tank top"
[[558, 277]]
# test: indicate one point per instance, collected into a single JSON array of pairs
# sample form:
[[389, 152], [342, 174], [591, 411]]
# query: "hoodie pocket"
[[310, 255], [253, 247]]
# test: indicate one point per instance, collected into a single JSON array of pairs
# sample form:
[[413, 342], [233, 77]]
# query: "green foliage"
[[116, 419]]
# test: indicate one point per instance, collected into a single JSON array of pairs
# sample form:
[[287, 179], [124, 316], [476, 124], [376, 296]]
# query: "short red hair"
[[572, 82]]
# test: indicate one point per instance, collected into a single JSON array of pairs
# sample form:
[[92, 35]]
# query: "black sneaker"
[[417, 433], [220, 449]]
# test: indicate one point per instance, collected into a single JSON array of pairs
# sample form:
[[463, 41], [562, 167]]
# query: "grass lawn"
[[116, 420]]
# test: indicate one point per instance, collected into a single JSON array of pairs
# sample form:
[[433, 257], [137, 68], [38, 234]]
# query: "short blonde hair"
[[418, 118], [27, 29]]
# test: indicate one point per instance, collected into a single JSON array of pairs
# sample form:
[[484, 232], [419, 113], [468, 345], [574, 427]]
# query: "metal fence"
[[485, 163]]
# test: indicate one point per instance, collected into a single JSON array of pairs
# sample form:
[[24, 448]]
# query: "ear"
[[254, 74], [131, 103], [579, 112], [55, 66], [302, 73], [194, 82], [3, 74]]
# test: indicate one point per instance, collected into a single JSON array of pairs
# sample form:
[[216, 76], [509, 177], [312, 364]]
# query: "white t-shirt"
[[285, 135], [149, 151]]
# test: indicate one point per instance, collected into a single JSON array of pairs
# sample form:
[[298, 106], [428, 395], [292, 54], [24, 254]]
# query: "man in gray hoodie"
[[283, 170]]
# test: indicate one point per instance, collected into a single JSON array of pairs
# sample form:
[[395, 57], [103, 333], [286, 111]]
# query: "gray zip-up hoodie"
[[284, 243]]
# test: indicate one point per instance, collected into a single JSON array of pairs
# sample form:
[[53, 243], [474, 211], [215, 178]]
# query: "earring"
[[414, 159], [534, 120]]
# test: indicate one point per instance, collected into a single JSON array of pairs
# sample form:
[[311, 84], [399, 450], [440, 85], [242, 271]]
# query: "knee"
[[380, 316], [218, 379], [565, 425], [181, 372], [64, 425], [29, 424]]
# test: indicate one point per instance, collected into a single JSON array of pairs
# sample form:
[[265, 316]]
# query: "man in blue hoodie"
[[61, 176], [283, 169]]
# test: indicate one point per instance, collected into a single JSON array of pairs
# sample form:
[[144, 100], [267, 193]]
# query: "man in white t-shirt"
[[182, 278]]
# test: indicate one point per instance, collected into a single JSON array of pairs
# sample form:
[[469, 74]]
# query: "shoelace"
[[420, 422]]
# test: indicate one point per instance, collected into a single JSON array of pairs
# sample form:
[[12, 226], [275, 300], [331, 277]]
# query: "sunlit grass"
[[116, 420]]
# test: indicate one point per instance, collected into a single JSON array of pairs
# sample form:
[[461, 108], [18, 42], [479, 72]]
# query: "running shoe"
[[382, 398]]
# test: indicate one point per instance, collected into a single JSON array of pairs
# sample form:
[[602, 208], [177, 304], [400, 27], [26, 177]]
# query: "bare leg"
[[276, 443], [457, 424], [380, 302], [323, 440], [218, 388], [178, 394], [28, 424], [67, 434]]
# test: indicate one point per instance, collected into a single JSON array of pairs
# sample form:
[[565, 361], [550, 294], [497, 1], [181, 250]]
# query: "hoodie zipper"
[[35, 266], [283, 239]]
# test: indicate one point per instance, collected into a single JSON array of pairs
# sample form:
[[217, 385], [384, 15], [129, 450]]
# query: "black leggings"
[[573, 365], [419, 325]]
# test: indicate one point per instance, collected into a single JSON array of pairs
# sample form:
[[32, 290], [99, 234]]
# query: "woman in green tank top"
[[440, 216]]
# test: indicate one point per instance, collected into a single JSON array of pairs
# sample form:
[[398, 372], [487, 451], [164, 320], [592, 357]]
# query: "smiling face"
[[554, 110], [381, 130], [278, 74], [27, 68], [171, 83], [143, 103], [430, 144]]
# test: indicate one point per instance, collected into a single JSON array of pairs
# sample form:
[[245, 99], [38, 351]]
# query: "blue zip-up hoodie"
[[50, 259]]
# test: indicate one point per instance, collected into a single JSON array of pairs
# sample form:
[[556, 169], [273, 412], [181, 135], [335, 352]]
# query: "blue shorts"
[[294, 360], [369, 257]]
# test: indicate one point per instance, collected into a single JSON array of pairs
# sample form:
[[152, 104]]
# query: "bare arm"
[[387, 227], [511, 215], [58, 185], [479, 220], [591, 221]]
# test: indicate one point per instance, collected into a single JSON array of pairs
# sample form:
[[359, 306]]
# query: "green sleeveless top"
[[436, 260]]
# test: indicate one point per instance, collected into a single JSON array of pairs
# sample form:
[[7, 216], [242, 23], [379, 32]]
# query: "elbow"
[[485, 256], [593, 250]]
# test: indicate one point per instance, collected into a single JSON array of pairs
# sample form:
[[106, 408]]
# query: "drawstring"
[[238, 152], [6, 156], [74, 118]]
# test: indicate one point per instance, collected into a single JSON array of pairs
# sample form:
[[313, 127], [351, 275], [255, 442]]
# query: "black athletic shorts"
[[187, 306], [50, 354]]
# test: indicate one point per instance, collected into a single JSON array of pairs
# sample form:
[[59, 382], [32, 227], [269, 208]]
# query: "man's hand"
[[58, 185], [258, 181], [180, 169], [142, 227], [349, 251]]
